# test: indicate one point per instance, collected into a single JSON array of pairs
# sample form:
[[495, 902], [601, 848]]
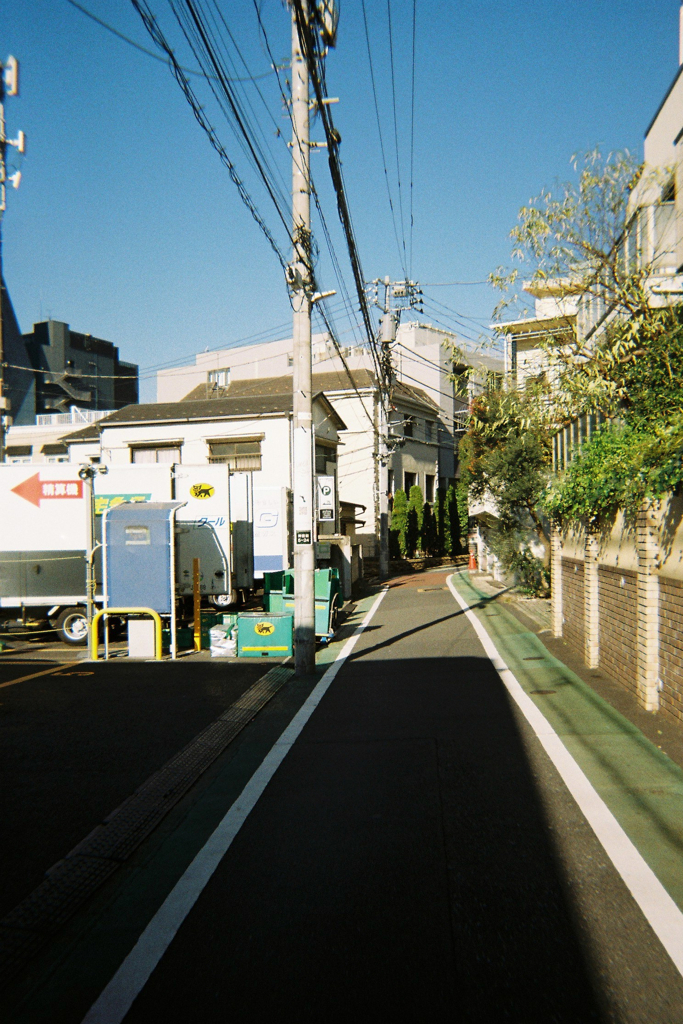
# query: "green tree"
[[583, 236], [398, 530], [415, 507], [429, 541], [452, 522], [505, 457], [463, 506], [440, 520]]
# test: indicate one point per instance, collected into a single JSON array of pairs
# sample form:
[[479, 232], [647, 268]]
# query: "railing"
[[125, 611], [75, 415]]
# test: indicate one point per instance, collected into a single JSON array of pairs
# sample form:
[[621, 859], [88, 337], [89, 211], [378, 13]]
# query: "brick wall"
[[572, 602], [671, 646], [618, 623]]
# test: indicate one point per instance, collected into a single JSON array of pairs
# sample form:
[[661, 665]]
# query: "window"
[[219, 378], [429, 487], [325, 460], [243, 455], [429, 430], [19, 453], [409, 480], [408, 425], [164, 453], [137, 535]]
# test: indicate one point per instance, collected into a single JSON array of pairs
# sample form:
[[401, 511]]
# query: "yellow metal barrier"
[[126, 611]]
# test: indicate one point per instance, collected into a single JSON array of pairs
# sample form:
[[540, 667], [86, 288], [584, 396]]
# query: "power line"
[[412, 133], [398, 161], [452, 284], [155, 32], [454, 312], [328, 238], [311, 52], [150, 53], [381, 138], [197, 32]]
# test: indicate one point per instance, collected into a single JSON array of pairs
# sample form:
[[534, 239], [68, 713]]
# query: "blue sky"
[[127, 226]]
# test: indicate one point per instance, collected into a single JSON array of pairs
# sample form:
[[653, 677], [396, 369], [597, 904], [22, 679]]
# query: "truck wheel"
[[72, 626]]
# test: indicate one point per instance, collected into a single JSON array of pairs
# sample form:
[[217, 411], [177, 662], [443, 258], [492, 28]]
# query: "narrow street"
[[415, 856]]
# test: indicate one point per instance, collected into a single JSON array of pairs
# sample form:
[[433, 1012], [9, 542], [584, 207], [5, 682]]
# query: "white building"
[[41, 442], [414, 432]]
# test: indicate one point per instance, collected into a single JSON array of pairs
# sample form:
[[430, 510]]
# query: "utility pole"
[[391, 313], [9, 86], [301, 288]]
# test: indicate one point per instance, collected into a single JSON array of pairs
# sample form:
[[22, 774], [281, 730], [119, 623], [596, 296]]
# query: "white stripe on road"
[[662, 913], [117, 998]]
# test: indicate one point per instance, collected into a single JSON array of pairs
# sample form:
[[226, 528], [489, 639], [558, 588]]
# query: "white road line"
[[662, 913], [117, 998]]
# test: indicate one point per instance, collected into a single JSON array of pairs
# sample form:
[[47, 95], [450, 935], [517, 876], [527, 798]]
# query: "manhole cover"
[[543, 693]]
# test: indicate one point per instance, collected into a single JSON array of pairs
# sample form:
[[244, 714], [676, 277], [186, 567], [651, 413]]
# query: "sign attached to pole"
[[326, 499]]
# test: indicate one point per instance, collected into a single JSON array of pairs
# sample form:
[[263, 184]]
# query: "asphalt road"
[[416, 856], [77, 742]]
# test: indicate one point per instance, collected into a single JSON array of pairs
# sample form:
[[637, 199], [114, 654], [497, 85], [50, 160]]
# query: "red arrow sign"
[[36, 490]]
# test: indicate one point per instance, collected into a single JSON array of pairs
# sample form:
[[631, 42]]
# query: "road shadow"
[[400, 866]]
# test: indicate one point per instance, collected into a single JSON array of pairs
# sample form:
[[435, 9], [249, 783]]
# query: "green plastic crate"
[[264, 635]]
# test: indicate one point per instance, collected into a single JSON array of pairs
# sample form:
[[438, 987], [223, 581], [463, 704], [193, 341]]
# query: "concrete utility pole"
[[301, 287], [9, 86], [388, 335], [410, 293]]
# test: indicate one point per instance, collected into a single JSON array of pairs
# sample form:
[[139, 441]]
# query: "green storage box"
[[328, 601], [184, 638], [264, 635]]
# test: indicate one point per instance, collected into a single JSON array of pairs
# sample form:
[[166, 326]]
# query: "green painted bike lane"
[[642, 787]]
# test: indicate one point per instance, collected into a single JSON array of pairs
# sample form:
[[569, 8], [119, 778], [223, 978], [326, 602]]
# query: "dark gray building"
[[77, 369], [19, 380]]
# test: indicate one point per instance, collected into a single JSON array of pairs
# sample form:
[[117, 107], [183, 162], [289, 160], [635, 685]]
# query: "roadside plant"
[[415, 511], [582, 241], [398, 530], [505, 460]]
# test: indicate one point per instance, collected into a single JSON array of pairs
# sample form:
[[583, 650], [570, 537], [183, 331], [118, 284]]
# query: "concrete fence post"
[[647, 629], [591, 603], [556, 580]]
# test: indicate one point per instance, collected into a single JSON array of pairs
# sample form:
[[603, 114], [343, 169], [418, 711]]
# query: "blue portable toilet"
[[139, 555]]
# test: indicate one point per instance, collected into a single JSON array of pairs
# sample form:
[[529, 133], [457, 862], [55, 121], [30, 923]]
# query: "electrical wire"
[[412, 135], [452, 284], [204, 43], [313, 58], [455, 313], [398, 161], [150, 53], [155, 32], [381, 138], [326, 233]]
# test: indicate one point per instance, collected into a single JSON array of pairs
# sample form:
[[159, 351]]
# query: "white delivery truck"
[[45, 526]]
